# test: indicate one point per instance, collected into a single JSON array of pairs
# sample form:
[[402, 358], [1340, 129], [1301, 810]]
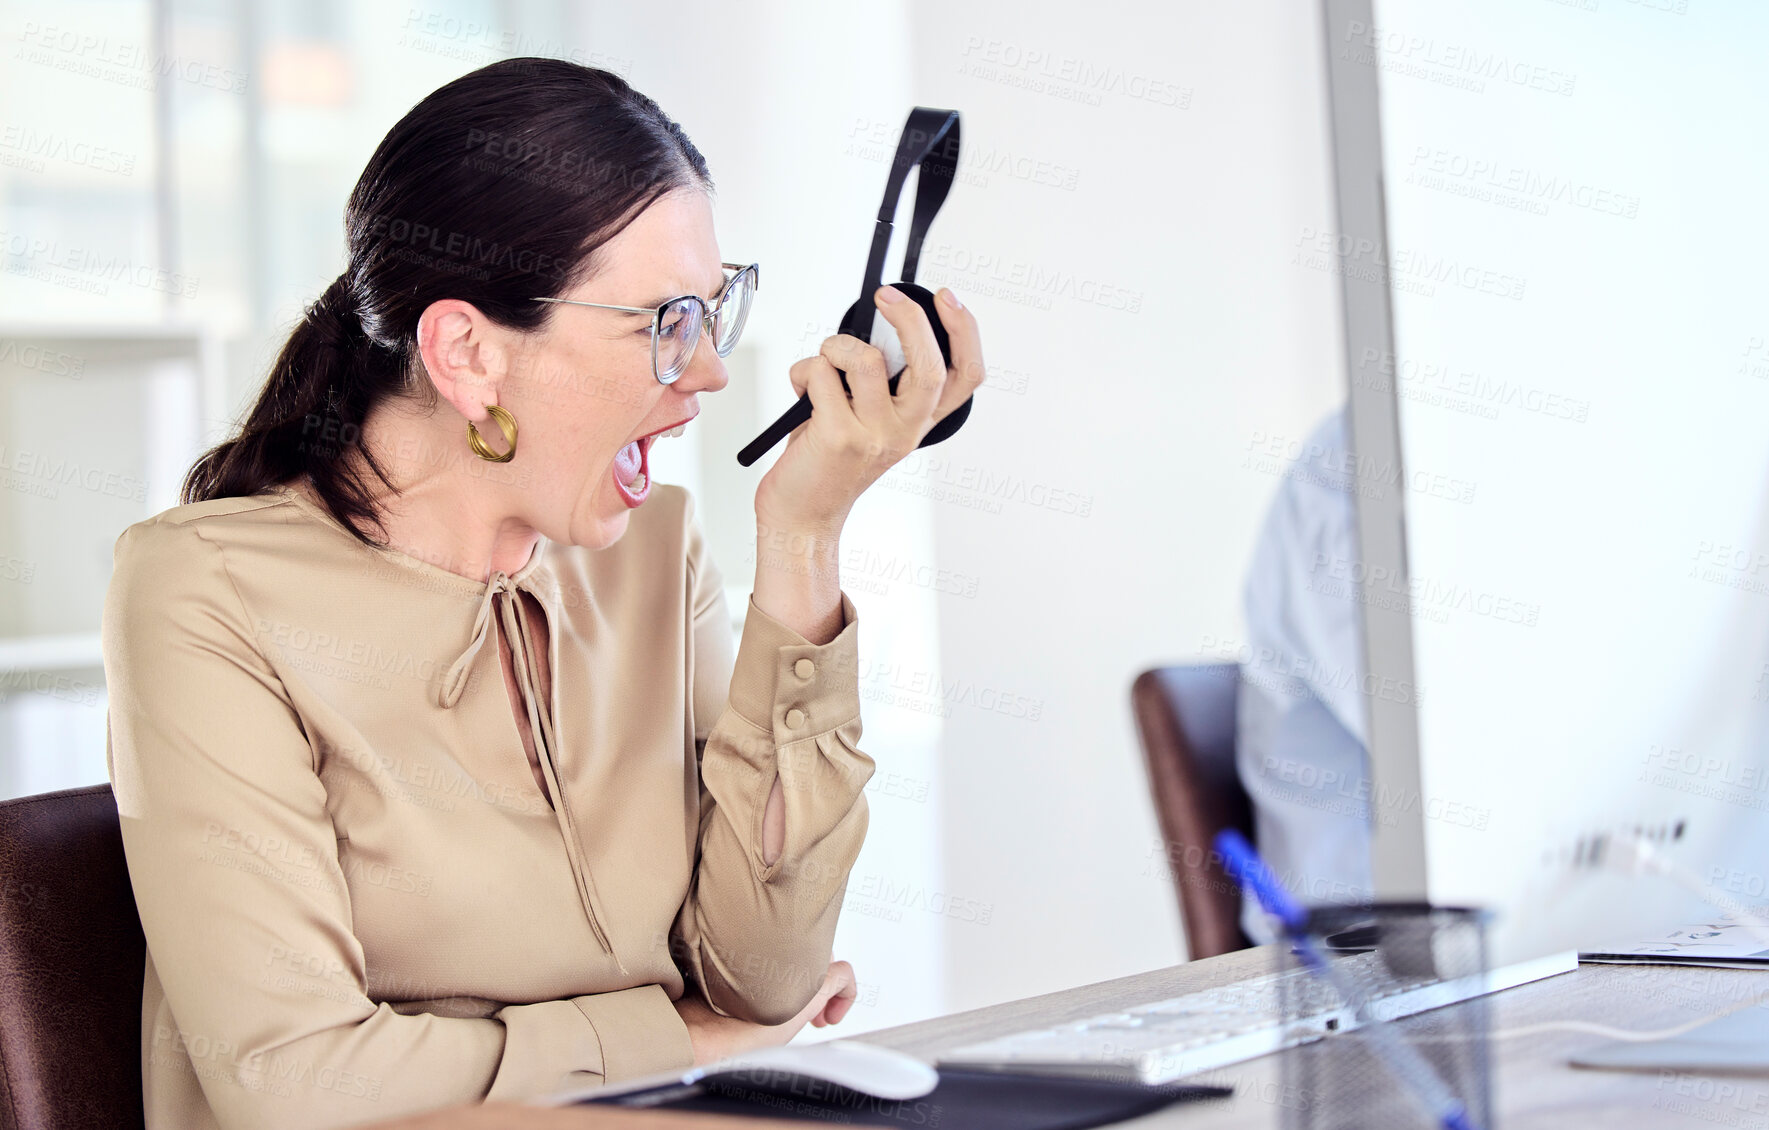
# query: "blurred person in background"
[[1301, 718]]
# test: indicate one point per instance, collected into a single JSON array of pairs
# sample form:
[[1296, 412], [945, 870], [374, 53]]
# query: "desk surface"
[[1533, 1085]]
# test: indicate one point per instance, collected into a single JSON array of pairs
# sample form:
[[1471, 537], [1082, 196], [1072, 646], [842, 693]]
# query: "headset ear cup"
[[924, 298], [947, 426]]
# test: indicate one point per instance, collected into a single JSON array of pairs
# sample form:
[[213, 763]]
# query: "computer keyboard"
[[1162, 1041]]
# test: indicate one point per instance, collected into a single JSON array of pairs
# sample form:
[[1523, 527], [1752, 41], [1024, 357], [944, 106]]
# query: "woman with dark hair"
[[380, 871]]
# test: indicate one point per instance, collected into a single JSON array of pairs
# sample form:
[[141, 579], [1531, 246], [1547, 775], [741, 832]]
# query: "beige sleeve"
[[758, 937], [205, 749]]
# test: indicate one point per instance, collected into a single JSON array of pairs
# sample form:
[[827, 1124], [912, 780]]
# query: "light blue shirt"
[[1301, 722]]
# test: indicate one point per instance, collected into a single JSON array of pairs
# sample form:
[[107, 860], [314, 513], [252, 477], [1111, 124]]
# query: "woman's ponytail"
[[308, 418]]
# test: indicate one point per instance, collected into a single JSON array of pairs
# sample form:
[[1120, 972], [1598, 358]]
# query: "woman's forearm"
[[798, 580]]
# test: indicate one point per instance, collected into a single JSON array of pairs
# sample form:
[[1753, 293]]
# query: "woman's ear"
[[464, 354]]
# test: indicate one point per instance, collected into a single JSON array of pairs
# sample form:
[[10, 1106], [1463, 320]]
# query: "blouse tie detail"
[[540, 724], [455, 682]]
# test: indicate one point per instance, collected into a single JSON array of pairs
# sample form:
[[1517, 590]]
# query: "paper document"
[[1725, 943]]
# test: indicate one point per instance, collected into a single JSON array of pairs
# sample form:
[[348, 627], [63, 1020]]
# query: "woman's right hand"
[[716, 1037]]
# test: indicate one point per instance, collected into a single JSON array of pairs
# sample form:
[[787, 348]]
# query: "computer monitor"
[[1553, 238]]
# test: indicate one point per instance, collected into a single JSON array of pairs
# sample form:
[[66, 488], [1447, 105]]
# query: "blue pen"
[[1405, 1064]]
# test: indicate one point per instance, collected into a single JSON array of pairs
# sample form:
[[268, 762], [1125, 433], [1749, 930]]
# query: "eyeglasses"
[[676, 324]]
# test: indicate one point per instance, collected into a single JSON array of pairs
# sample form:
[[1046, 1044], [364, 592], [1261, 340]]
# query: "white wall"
[[1191, 197]]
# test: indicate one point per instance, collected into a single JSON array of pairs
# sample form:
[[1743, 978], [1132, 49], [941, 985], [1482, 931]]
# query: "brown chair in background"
[[1185, 717], [71, 964]]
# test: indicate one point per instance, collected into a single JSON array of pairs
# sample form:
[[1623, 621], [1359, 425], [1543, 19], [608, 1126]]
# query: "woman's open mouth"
[[632, 465]]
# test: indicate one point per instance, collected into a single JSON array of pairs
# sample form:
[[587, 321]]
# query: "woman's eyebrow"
[[709, 296]]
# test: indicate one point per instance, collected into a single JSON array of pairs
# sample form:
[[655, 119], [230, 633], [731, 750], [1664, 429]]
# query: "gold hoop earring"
[[506, 424]]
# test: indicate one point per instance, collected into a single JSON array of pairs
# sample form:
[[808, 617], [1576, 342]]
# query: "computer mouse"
[[850, 1064], [820, 1070]]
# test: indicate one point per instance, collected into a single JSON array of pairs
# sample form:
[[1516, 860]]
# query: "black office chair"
[[71, 964], [1185, 717]]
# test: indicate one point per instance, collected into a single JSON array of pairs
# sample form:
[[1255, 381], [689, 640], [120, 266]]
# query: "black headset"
[[930, 140]]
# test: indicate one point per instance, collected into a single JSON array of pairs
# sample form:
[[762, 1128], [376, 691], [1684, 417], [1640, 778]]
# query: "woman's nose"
[[706, 369]]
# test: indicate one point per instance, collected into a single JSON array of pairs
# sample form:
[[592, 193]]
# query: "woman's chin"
[[609, 527], [602, 518]]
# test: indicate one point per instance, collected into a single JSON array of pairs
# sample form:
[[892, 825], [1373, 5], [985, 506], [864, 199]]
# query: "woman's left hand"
[[715, 1036], [846, 445]]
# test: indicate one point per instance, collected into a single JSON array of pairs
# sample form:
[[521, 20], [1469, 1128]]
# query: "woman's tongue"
[[629, 463]]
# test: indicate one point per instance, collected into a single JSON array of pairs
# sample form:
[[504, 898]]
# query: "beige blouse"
[[358, 904]]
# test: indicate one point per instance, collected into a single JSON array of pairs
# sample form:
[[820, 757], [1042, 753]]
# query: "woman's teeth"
[[642, 480]]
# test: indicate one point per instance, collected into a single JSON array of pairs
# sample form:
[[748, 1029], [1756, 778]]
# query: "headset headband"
[[930, 139]]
